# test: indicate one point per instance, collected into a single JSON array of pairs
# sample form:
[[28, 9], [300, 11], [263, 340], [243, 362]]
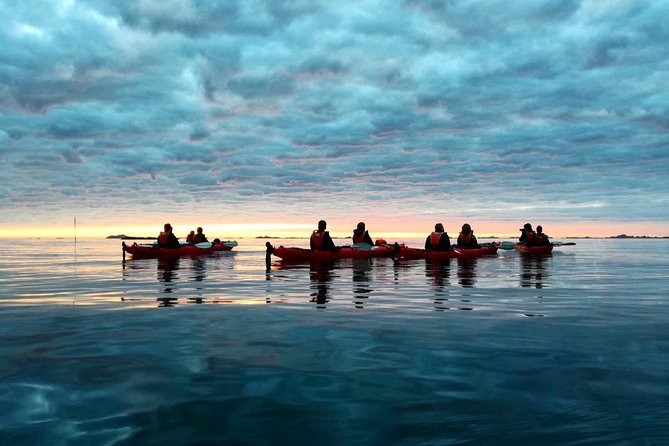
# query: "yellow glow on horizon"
[[388, 229], [226, 231]]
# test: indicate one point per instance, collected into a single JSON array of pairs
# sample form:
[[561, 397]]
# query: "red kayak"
[[407, 253], [482, 250], [536, 250], [346, 252], [153, 251]]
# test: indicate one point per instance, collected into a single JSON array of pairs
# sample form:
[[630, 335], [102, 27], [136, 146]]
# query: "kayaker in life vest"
[[541, 238], [467, 239], [189, 237], [320, 238], [438, 240], [527, 235], [360, 235], [167, 239], [199, 237]]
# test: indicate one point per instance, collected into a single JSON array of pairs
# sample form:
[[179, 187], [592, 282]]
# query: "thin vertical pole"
[[75, 260]]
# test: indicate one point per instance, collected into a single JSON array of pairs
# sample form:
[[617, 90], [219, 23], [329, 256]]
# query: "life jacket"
[[465, 238], [199, 238], [164, 238], [530, 237], [317, 239], [359, 237], [541, 239], [434, 239]]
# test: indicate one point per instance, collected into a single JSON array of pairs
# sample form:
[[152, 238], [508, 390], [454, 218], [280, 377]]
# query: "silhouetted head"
[[199, 230], [526, 227], [438, 227], [322, 225], [466, 229], [539, 229], [168, 227], [361, 226]]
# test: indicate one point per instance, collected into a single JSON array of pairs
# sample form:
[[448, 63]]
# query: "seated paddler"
[[167, 239], [466, 238], [527, 235], [199, 237], [438, 240], [540, 238], [320, 238], [360, 235]]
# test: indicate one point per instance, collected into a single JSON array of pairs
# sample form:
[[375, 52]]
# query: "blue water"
[[567, 349]]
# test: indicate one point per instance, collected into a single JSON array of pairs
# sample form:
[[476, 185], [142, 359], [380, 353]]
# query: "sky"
[[261, 117]]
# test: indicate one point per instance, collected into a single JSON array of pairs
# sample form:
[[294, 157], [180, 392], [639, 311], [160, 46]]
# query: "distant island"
[[282, 238], [634, 236], [129, 237], [619, 236]]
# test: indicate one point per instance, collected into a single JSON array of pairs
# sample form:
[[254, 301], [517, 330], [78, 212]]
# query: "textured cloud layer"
[[496, 110]]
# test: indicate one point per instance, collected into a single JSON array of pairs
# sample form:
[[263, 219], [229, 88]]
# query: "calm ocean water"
[[567, 349]]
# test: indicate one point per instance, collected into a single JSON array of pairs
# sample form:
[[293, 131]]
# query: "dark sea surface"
[[567, 349]]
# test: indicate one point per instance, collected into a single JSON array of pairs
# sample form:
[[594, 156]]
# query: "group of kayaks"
[[400, 252], [360, 251], [396, 251]]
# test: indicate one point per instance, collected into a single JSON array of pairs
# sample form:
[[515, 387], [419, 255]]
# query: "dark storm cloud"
[[268, 101]]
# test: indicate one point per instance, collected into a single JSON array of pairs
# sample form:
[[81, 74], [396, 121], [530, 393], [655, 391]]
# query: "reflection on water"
[[361, 288], [319, 277], [438, 272], [467, 272], [180, 280], [166, 273], [199, 273], [199, 268], [533, 271], [592, 370]]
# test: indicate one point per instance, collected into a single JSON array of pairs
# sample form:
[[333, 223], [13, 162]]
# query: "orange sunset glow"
[[391, 230]]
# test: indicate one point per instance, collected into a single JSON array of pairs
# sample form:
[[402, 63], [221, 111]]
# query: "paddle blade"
[[563, 243], [362, 246]]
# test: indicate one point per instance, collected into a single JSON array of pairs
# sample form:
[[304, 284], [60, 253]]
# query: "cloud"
[[487, 109]]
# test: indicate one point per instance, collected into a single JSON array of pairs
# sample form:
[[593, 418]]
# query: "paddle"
[[396, 252], [268, 257], [362, 246], [229, 244], [512, 245]]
